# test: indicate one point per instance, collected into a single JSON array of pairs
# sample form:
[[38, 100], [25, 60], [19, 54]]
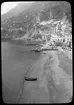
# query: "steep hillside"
[[27, 18], [15, 11], [23, 9]]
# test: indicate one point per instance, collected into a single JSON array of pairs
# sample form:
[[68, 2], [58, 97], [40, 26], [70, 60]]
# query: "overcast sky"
[[6, 6]]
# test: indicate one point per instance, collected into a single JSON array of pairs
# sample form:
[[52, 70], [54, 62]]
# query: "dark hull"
[[39, 50]]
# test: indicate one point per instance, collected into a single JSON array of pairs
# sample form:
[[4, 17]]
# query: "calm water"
[[14, 60]]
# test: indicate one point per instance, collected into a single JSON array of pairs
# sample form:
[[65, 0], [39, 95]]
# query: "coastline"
[[53, 85]]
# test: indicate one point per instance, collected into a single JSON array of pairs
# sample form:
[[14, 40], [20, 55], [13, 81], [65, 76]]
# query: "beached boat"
[[30, 79], [36, 50], [44, 49]]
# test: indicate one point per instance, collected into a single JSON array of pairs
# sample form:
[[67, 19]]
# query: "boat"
[[45, 49], [37, 50], [30, 79], [49, 48]]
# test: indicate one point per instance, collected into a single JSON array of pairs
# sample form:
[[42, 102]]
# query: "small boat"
[[44, 49], [51, 48], [30, 79], [36, 50]]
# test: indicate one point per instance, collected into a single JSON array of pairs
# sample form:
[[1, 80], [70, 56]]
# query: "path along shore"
[[53, 85]]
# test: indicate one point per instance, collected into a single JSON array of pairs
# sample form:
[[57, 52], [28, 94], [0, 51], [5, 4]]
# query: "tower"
[[38, 18], [64, 17], [51, 16]]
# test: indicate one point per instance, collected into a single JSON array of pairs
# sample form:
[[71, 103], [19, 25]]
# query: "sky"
[[6, 6]]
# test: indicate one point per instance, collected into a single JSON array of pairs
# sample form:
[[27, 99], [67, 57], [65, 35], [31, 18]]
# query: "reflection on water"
[[15, 58]]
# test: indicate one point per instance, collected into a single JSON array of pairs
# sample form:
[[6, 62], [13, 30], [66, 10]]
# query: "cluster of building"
[[52, 31], [56, 31]]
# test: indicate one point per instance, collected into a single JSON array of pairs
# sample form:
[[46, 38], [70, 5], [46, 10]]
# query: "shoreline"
[[50, 78]]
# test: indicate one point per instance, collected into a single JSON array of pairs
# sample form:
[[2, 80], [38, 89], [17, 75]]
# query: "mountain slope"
[[27, 18], [15, 11], [22, 9]]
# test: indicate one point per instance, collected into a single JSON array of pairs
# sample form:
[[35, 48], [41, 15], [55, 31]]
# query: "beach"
[[54, 82]]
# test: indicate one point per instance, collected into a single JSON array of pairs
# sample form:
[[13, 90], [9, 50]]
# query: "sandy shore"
[[53, 85], [66, 52]]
